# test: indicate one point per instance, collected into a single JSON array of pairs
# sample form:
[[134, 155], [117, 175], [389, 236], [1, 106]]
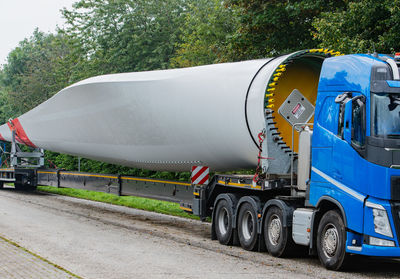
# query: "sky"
[[19, 18]]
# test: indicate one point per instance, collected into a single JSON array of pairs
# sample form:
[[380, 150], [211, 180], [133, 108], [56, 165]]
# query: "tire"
[[223, 222], [19, 186], [331, 241], [24, 187], [1, 185], [29, 188], [248, 227], [278, 239]]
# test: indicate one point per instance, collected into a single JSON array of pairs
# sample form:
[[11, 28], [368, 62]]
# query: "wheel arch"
[[286, 209], [324, 204]]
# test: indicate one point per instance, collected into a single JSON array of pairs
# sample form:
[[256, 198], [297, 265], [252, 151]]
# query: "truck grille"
[[396, 217], [395, 188]]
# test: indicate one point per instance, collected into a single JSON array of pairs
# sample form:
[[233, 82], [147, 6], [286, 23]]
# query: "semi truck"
[[321, 130]]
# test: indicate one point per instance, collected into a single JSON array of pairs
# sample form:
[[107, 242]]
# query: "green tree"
[[35, 70], [362, 26], [209, 24], [270, 28], [120, 36], [5, 109]]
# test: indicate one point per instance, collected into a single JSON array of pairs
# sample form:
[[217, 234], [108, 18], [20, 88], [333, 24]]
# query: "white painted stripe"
[[200, 178], [196, 170], [338, 184], [374, 205], [201, 172]]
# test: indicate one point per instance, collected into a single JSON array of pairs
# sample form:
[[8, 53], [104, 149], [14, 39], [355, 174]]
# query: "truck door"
[[339, 145], [350, 140]]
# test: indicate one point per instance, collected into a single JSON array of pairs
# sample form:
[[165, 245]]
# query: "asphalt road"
[[95, 240]]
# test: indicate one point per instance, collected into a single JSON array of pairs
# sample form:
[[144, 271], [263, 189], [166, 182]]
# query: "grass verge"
[[163, 207]]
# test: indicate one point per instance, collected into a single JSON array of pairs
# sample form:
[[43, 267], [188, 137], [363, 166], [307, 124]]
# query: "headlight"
[[381, 222]]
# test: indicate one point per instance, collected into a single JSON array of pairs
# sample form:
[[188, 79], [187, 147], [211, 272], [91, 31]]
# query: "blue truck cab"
[[355, 165]]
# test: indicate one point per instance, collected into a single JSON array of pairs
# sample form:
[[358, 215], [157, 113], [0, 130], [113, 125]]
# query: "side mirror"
[[348, 112]]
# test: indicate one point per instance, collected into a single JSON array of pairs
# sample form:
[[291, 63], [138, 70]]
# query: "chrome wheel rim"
[[247, 225], [223, 221], [274, 229], [330, 240]]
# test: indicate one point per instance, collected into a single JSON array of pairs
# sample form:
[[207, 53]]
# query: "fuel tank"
[[212, 115]]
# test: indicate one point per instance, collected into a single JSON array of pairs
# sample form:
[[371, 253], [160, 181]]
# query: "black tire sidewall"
[[335, 262], [251, 243], [224, 239], [18, 186], [24, 187], [275, 250]]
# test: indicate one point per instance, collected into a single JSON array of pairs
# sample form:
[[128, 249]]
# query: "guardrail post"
[[119, 185], [58, 178]]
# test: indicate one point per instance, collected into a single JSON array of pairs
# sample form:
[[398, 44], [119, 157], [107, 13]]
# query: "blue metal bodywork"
[[339, 172]]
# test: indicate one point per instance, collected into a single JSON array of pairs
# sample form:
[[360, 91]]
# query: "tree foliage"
[[270, 28], [35, 71], [120, 36], [68, 162], [361, 27], [206, 33]]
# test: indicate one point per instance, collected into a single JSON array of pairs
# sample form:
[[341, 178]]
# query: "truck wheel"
[[223, 222], [331, 240], [277, 237], [248, 227]]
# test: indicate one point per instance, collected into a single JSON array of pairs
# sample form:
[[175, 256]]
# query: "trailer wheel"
[[19, 186], [24, 187], [277, 237], [248, 227], [331, 240], [223, 222]]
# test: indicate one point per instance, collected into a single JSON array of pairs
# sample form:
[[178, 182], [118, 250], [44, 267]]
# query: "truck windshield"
[[385, 109]]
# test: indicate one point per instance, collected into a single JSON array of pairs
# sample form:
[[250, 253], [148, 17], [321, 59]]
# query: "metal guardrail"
[[172, 191]]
